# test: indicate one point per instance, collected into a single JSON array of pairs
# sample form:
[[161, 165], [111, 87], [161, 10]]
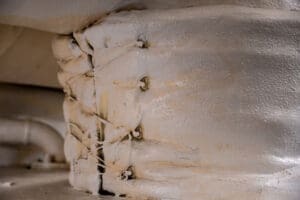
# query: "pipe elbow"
[[16, 131]]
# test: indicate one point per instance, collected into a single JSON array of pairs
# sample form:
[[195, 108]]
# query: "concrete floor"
[[31, 184]]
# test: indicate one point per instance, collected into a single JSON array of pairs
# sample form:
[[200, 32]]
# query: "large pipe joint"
[[25, 131]]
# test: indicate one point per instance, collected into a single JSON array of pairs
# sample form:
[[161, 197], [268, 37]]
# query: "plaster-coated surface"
[[214, 92]]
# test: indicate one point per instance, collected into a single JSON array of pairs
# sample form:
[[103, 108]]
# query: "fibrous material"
[[193, 103]]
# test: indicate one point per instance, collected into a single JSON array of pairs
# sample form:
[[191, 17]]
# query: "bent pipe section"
[[20, 131]]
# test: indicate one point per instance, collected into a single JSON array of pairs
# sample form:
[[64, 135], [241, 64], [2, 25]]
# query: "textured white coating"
[[220, 113]]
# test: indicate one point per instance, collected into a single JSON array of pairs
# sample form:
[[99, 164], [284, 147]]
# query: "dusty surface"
[[40, 185]]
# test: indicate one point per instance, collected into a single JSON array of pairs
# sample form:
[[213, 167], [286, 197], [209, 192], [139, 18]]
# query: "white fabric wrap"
[[219, 116]]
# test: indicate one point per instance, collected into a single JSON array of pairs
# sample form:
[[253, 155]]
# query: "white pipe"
[[20, 131], [66, 16]]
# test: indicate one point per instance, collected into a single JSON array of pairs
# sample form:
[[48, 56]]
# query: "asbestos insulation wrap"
[[185, 103]]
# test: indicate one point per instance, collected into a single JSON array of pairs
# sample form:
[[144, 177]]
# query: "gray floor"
[[30, 184]]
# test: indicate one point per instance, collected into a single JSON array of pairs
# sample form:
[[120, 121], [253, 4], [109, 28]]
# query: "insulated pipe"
[[20, 131], [180, 102], [66, 16]]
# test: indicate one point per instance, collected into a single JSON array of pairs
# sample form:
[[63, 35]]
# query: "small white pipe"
[[20, 131]]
